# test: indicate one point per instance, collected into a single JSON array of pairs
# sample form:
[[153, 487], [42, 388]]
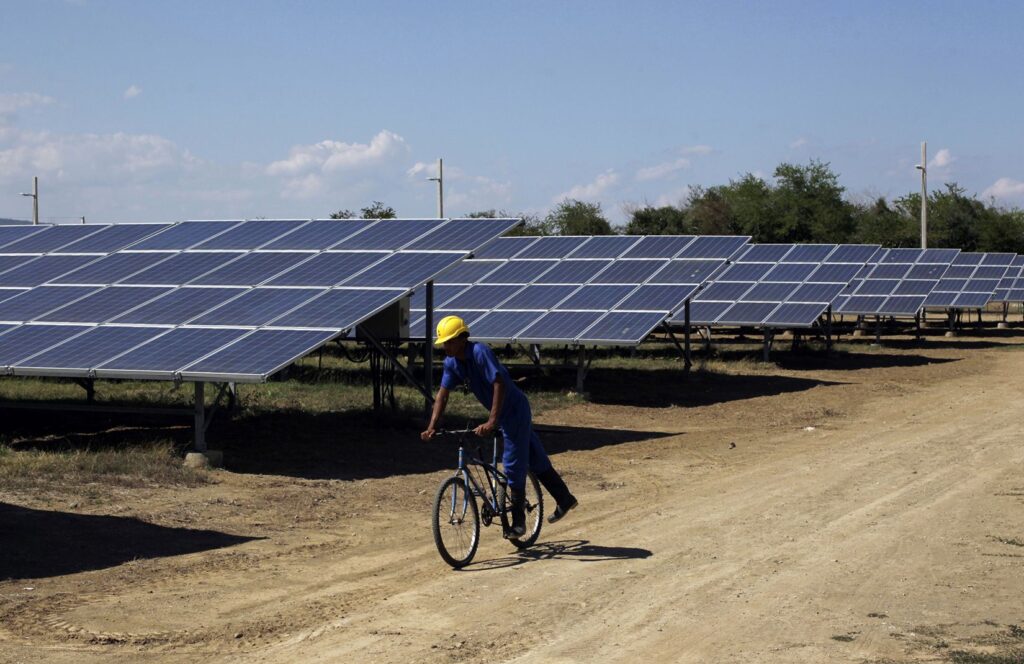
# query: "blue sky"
[[163, 111]]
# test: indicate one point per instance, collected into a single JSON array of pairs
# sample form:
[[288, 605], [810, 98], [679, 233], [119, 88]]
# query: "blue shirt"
[[478, 372]]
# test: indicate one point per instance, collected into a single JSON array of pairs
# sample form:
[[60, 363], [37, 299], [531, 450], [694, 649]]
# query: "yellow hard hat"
[[450, 327]]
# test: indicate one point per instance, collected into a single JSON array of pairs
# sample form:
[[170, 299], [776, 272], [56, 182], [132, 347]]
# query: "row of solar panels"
[[558, 289], [213, 300]]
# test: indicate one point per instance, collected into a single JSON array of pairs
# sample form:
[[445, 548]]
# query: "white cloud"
[[15, 101], [1005, 189], [330, 156], [942, 159], [664, 170], [798, 143], [132, 92], [463, 191], [427, 170], [701, 150], [601, 184]]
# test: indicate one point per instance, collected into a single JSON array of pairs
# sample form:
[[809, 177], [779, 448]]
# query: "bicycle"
[[456, 520]]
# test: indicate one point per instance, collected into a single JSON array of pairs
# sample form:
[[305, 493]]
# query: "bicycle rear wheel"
[[456, 522], [534, 513]]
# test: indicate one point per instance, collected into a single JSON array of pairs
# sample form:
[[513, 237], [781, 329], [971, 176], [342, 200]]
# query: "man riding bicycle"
[[473, 364]]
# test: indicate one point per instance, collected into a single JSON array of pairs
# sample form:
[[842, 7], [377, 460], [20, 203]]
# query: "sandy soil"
[[845, 511]]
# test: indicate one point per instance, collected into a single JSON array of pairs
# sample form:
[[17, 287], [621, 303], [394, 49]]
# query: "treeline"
[[801, 203]]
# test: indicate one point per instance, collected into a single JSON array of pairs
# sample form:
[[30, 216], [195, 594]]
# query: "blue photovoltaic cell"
[[26, 340], [9, 262], [904, 304], [902, 256], [972, 300], [952, 285], [657, 298], [686, 271], [505, 247], [261, 353], [390, 235], [117, 236], [745, 272], [503, 325], [319, 235], [796, 314], [251, 234], [179, 306], [945, 256], [104, 304], [914, 287], [8, 293], [996, 258], [835, 272], [659, 246], [257, 307], [469, 272], [339, 309], [184, 235], [852, 253], [959, 272], [9, 234], [809, 253], [941, 299], [725, 290], [417, 324], [34, 303], [596, 297], [862, 304], [251, 269], [877, 286], [990, 272], [629, 272], [929, 271], [403, 270], [790, 272], [482, 297], [712, 246], [51, 239], [111, 269], [463, 234], [560, 326], [327, 269], [442, 294], [518, 272], [182, 268], [769, 292], [42, 269], [172, 351], [90, 349], [982, 285], [892, 271], [604, 246], [748, 313], [552, 247], [538, 297], [968, 258], [765, 253], [573, 271], [704, 313], [627, 327], [817, 292]]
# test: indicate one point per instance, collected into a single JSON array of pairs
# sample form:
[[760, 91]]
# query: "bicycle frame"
[[494, 476]]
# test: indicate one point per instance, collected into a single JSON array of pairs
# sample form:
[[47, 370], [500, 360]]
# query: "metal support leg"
[[828, 330], [200, 417], [917, 326], [686, 336], [375, 343], [89, 385], [581, 368], [767, 344], [428, 352], [878, 330]]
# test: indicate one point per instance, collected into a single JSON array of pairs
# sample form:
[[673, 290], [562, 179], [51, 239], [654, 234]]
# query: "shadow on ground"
[[41, 543], [578, 550]]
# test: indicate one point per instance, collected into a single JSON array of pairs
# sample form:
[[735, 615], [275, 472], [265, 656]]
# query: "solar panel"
[[530, 297], [971, 281], [318, 235], [402, 270], [162, 356], [897, 281], [258, 306], [327, 269], [598, 298], [339, 309], [9, 234], [104, 304], [553, 247], [179, 306], [251, 234], [389, 235], [459, 233], [482, 296], [624, 327], [659, 246], [651, 297], [573, 271], [27, 340], [112, 238], [112, 269], [42, 270], [559, 327], [251, 269], [51, 239], [30, 304], [79, 355], [500, 325], [9, 262], [182, 268], [185, 235], [604, 246], [256, 356]]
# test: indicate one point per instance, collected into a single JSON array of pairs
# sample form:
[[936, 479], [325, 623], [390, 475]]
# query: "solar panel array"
[[971, 281], [208, 300], [778, 285], [1011, 286], [895, 282], [611, 290]]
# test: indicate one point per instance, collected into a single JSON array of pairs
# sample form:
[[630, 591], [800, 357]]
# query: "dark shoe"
[[562, 510], [518, 528], [555, 485]]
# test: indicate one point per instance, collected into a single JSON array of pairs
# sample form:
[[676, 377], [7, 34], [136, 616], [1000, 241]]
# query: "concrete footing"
[[208, 459], [1002, 326]]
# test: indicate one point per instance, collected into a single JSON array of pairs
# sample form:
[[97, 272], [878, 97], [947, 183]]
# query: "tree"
[[378, 210], [664, 220], [749, 208], [532, 224], [809, 205], [573, 217], [343, 214], [879, 223], [1003, 231]]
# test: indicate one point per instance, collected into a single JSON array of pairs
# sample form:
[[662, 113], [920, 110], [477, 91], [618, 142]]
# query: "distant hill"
[[8, 222]]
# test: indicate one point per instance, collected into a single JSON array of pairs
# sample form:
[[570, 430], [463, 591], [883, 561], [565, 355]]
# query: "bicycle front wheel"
[[456, 522], [534, 513]]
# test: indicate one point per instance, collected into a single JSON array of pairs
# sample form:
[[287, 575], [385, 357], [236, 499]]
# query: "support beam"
[[582, 365], [878, 330], [386, 352], [917, 326], [428, 351], [199, 440], [828, 329], [768, 338], [686, 335]]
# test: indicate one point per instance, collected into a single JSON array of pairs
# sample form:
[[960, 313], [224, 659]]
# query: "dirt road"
[[844, 513]]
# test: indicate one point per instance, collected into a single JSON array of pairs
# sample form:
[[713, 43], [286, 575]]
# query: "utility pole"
[[440, 188], [924, 194], [35, 200]]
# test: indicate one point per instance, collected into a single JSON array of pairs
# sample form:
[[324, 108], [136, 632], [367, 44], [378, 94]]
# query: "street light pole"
[[35, 200], [924, 194], [440, 188]]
